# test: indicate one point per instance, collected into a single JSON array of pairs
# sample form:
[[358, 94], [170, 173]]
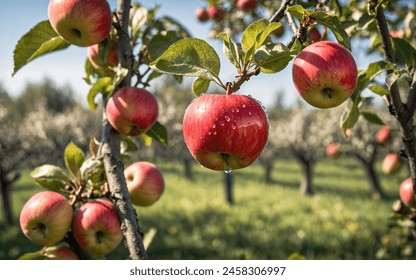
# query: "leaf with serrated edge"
[[158, 132], [50, 177], [189, 57], [272, 57], [230, 49], [40, 40], [372, 117], [102, 85], [297, 11], [200, 86], [74, 157], [334, 24]]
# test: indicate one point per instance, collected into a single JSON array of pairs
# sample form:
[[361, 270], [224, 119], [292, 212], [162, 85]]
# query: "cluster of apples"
[[49, 216], [217, 13]]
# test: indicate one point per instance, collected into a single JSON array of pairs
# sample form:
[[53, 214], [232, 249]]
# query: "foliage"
[[267, 221]]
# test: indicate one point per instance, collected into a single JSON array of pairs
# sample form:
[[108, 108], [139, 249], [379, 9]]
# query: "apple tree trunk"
[[187, 166], [5, 187], [306, 187], [376, 190], [268, 168]]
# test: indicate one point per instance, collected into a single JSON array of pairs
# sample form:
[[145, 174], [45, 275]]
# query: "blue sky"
[[67, 67]]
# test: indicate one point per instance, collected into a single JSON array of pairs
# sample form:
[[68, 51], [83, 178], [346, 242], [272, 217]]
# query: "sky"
[[67, 67]]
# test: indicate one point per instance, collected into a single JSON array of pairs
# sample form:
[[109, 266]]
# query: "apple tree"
[[223, 131]]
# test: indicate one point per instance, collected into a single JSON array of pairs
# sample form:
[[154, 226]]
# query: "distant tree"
[[304, 135]]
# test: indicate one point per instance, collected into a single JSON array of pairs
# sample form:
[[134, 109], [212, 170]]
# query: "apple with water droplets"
[[225, 131], [96, 227], [79, 22], [46, 218], [325, 74]]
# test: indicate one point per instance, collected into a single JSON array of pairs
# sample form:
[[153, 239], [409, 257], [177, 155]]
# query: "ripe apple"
[[215, 13], [202, 14], [144, 182], [333, 151], [392, 163], [406, 193], [383, 136], [246, 5], [59, 252], [79, 22], [111, 59], [314, 34], [325, 74], [132, 111], [225, 131], [46, 218], [96, 227]]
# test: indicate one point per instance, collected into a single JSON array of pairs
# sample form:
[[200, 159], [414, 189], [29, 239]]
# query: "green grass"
[[267, 221]]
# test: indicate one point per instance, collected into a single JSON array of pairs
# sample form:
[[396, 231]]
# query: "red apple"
[[202, 14], [216, 13], [314, 34], [325, 74], [392, 163], [246, 5], [145, 183], [406, 193], [383, 136], [46, 218], [59, 252], [132, 111], [333, 151], [79, 22], [111, 59], [225, 131], [96, 227]]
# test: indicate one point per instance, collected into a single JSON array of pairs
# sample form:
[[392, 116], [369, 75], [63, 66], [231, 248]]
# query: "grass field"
[[267, 221]]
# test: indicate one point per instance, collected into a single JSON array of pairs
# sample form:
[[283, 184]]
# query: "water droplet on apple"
[[227, 118], [249, 113], [214, 125], [237, 110], [243, 105], [233, 126], [209, 132], [215, 133]]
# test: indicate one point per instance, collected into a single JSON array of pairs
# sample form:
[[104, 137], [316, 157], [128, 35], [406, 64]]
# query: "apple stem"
[[328, 92]]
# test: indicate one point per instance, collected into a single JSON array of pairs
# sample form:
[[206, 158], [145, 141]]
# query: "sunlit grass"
[[267, 221]]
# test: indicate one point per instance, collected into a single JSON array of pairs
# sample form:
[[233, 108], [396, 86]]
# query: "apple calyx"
[[41, 229], [328, 92]]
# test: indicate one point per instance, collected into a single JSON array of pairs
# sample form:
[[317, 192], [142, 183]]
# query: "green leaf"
[[272, 58], [50, 177], [161, 42], [138, 18], [30, 256], [350, 116], [380, 90], [158, 132], [334, 24], [297, 11], [372, 117], [146, 139], [405, 53], [391, 79], [74, 158], [200, 86], [231, 49], [102, 85], [189, 57], [256, 35], [127, 145], [92, 169], [40, 40]]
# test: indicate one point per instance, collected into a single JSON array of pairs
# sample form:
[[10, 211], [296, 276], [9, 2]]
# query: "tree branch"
[[113, 165], [401, 111]]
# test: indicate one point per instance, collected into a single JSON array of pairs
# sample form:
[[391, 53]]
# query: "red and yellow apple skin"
[[132, 111], [325, 74], [79, 22], [225, 131]]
